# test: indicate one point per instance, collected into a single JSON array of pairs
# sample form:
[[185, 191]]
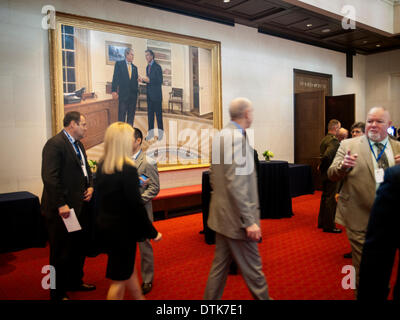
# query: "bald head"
[[381, 111], [241, 111], [378, 121], [342, 134]]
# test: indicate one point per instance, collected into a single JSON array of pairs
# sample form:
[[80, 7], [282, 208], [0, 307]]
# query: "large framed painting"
[[84, 55]]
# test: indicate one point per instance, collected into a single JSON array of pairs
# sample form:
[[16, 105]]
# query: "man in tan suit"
[[360, 163], [234, 208]]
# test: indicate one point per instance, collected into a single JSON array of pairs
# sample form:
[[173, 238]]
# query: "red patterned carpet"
[[300, 262]]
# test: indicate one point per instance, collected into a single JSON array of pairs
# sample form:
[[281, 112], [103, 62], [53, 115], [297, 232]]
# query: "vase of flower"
[[93, 165], [268, 155]]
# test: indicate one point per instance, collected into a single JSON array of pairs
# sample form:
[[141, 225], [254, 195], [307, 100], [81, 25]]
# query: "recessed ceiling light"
[[309, 25], [326, 30], [365, 41], [378, 45], [226, 1]]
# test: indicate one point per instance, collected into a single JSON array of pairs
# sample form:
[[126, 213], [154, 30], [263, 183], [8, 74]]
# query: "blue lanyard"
[[373, 152], [140, 151], [78, 153]]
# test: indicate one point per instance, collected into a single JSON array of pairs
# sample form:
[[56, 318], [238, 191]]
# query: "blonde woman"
[[122, 219]]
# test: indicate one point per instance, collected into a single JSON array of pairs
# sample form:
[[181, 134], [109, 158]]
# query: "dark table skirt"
[[278, 182], [22, 225]]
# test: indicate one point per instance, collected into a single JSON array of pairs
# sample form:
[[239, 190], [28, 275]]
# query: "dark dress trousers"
[[154, 95], [382, 241], [127, 91], [122, 220], [64, 183], [327, 210]]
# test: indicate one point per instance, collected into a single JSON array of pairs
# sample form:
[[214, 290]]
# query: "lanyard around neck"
[[373, 152]]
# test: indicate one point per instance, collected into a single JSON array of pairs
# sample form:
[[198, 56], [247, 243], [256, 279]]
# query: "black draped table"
[[22, 225], [278, 182], [274, 190], [301, 181]]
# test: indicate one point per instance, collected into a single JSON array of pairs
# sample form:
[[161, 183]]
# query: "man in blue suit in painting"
[[154, 81]]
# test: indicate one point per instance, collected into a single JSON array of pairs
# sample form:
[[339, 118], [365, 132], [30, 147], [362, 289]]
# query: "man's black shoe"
[[348, 255], [146, 287], [63, 297], [83, 287], [333, 230]]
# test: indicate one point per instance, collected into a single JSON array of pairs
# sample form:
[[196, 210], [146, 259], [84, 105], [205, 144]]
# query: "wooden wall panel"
[[99, 115]]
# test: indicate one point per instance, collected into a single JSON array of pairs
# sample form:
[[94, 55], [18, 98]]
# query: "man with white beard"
[[360, 162]]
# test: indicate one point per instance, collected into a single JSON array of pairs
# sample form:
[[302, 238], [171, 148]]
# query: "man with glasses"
[[67, 185]]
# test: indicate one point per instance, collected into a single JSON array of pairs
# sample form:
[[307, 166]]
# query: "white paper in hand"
[[72, 222]]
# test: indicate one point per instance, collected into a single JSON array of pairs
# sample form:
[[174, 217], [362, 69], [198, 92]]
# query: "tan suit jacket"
[[358, 191], [234, 200]]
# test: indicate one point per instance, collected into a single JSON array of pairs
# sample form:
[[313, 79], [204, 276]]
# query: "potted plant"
[[268, 155], [93, 165]]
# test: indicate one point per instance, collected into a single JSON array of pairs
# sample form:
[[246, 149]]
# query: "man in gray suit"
[[149, 188], [234, 207], [360, 163]]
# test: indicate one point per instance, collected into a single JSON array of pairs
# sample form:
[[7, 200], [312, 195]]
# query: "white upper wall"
[[383, 83], [254, 65], [378, 14]]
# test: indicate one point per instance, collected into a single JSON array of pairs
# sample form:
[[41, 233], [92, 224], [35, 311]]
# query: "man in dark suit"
[[125, 80], [382, 241], [148, 190], [154, 80], [68, 184], [327, 209]]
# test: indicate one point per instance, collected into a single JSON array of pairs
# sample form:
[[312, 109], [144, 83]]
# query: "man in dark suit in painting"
[[125, 87], [154, 80]]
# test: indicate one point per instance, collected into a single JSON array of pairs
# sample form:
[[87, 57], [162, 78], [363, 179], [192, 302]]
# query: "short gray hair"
[[127, 50], [238, 107]]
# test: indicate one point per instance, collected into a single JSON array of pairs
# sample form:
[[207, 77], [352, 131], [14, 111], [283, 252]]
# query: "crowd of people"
[[126, 181], [353, 171]]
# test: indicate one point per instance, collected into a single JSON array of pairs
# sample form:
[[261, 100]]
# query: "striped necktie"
[[383, 160]]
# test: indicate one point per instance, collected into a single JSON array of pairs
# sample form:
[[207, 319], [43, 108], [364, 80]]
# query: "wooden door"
[[309, 119], [341, 108]]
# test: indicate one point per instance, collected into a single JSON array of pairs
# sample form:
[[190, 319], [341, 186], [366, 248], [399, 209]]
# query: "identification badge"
[[84, 170], [379, 174]]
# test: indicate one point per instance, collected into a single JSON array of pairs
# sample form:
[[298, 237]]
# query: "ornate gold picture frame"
[[82, 73]]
